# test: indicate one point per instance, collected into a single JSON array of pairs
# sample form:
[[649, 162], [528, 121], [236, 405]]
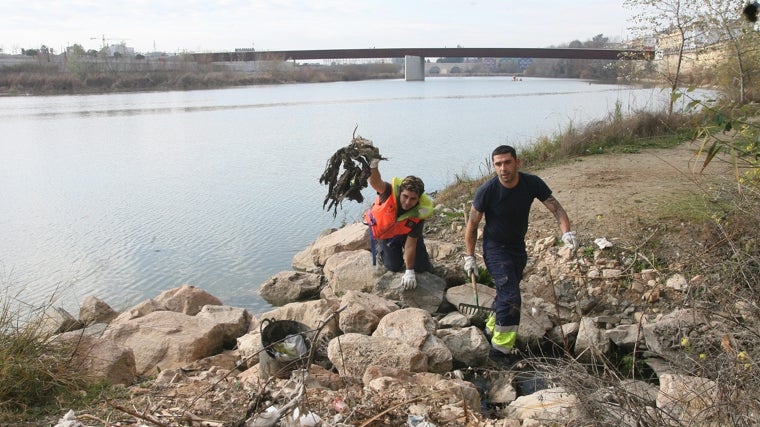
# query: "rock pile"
[[379, 352]]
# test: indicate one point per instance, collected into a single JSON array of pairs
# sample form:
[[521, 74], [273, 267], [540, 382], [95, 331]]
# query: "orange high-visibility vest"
[[381, 217]]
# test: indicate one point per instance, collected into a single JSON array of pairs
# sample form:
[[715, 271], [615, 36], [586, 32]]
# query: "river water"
[[123, 196]]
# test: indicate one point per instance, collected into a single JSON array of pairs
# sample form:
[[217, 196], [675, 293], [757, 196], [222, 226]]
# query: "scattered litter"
[[339, 405], [418, 421], [291, 348], [69, 420], [309, 419], [602, 243]]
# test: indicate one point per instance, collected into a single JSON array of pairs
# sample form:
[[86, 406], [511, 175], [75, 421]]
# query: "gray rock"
[[351, 354], [290, 286], [94, 310]]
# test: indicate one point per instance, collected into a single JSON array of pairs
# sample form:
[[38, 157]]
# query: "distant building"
[[121, 49]]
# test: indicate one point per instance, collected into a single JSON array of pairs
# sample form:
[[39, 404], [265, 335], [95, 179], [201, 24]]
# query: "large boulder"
[[313, 314], [363, 312], [186, 299], [534, 322], [689, 400], [468, 346], [548, 407], [439, 250], [410, 325], [351, 237], [428, 295], [666, 333], [592, 343], [99, 360], [291, 286], [168, 339], [352, 354], [351, 271], [94, 310], [417, 327]]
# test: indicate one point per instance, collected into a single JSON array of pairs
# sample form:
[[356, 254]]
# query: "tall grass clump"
[[616, 133], [33, 372]]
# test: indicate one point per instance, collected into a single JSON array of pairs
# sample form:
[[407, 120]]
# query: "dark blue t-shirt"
[[507, 210]]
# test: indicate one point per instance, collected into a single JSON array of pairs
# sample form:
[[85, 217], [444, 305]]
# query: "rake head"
[[476, 313]]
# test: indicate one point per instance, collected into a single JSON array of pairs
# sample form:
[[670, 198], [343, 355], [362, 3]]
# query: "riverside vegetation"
[[712, 236], [46, 79]]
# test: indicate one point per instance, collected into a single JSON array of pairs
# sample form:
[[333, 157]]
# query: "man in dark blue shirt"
[[505, 202]]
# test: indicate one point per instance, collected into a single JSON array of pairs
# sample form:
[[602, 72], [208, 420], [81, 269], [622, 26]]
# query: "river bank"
[[41, 80]]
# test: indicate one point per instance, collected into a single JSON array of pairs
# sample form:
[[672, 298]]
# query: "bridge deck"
[[496, 52]]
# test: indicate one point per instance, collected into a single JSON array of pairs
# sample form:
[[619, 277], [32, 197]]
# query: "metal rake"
[[478, 312]]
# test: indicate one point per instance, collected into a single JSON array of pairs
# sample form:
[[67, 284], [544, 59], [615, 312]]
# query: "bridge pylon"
[[414, 68]]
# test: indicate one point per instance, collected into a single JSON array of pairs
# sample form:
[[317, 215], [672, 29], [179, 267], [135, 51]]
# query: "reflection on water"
[[123, 196]]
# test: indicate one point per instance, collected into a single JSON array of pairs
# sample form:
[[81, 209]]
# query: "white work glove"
[[570, 240], [409, 281], [373, 163], [470, 266]]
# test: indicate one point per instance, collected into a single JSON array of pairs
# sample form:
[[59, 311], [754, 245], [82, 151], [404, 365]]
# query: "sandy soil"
[[615, 195]]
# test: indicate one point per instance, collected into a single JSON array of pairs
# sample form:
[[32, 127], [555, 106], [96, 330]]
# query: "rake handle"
[[474, 288]]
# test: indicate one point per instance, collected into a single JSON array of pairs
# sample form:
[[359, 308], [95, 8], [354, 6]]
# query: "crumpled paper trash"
[[418, 421], [69, 420], [602, 243]]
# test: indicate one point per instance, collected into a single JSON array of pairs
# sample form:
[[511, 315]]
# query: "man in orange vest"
[[396, 221]]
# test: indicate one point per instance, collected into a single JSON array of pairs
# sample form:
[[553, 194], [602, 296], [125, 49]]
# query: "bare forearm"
[[410, 252], [471, 231], [376, 181], [559, 214]]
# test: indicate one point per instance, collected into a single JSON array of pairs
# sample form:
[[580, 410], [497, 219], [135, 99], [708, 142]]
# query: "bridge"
[[415, 57]]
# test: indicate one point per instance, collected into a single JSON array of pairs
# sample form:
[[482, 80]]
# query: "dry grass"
[[612, 134], [33, 372]]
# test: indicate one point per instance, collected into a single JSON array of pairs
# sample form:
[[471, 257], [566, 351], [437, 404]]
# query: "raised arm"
[[375, 180]]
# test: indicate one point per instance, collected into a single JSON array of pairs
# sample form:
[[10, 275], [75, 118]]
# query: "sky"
[[223, 25]]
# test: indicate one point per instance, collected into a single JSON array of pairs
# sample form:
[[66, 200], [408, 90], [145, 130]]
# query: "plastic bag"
[[291, 348]]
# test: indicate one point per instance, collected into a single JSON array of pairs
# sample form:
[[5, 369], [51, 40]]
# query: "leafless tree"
[[674, 23]]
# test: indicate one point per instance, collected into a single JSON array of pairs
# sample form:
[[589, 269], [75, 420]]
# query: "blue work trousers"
[[506, 265], [391, 252]]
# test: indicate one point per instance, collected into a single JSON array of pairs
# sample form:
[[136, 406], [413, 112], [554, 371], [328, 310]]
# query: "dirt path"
[[614, 195]]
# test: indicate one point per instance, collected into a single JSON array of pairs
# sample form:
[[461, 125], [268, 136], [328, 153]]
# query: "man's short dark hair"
[[413, 184], [504, 149]]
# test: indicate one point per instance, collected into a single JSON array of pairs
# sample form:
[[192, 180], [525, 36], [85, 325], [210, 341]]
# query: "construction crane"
[[103, 37]]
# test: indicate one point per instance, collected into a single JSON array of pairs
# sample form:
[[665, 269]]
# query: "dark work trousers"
[[391, 252], [506, 265]]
